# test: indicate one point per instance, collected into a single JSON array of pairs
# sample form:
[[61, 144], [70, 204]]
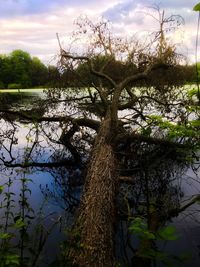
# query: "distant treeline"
[[81, 75], [19, 70]]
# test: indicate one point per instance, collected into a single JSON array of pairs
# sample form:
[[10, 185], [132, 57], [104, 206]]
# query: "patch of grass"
[[28, 90]]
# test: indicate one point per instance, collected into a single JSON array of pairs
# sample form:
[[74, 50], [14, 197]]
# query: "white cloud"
[[33, 27], [36, 33]]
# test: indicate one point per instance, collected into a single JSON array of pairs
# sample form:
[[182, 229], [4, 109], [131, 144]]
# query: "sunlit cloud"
[[31, 25]]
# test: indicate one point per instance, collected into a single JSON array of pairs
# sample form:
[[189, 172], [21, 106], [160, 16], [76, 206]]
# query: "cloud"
[[10, 8], [116, 9], [131, 17], [36, 32], [31, 25], [135, 11], [15, 8], [119, 11], [124, 8], [178, 4]]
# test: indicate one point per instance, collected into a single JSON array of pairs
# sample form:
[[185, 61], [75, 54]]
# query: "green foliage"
[[1, 189], [22, 232], [8, 260], [38, 72], [19, 68], [139, 227], [195, 123], [192, 92], [146, 131], [54, 77], [5, 236], [175, 130], [72, 242], [14, 86], [196, 7], [14, 225], [2, 86], [19, 224], [8, 256], [167, 233], [116, 69], [154, 254]]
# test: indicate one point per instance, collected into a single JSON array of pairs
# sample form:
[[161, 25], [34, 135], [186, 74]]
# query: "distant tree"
[[54, 76], [107, 63], [2, 86], [38, 72], [21, 64], [6, 74], [20, 68], [189, 73]]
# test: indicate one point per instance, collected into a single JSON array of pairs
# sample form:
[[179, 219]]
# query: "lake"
[[37, 184], [43, 188]]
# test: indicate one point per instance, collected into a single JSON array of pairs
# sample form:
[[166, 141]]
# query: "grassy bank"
[[27, 90]]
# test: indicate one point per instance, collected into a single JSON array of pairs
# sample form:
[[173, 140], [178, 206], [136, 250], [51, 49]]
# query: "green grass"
[[28, 90]]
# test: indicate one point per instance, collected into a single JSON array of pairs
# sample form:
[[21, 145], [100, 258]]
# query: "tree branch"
[[143, 75], [151, 140], [62, 163], [127, 179], [93, 124], [175, 212], [100, 74]]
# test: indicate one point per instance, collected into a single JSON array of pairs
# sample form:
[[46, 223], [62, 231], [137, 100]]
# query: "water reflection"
[[19, 98], [156, 195], [22, 195]]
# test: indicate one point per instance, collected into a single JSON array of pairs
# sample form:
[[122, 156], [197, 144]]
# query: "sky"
[[31, 25]]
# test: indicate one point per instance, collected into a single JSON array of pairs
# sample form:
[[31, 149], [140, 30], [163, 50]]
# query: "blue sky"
[[31, 25]]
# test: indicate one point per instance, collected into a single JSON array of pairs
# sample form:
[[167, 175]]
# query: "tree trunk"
[[97, 212]]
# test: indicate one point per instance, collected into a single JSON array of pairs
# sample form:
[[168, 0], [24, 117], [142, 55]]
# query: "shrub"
[[14, 86], [2, 86]]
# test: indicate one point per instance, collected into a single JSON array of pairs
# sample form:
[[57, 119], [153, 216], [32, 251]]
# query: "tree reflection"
[[121, 136]]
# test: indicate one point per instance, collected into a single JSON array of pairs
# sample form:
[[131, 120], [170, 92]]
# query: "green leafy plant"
[[197, 8], [14, 86], [8, 256], [139, 227], [2, 86]]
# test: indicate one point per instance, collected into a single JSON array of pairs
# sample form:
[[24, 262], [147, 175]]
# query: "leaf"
[[147, 131], [168, 233], [153, 254], [16, 218], [1, 189], [195, 123], [19, 224], [186, 256], [5, 235], [140, 228], [196, 7], [12, 260]]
